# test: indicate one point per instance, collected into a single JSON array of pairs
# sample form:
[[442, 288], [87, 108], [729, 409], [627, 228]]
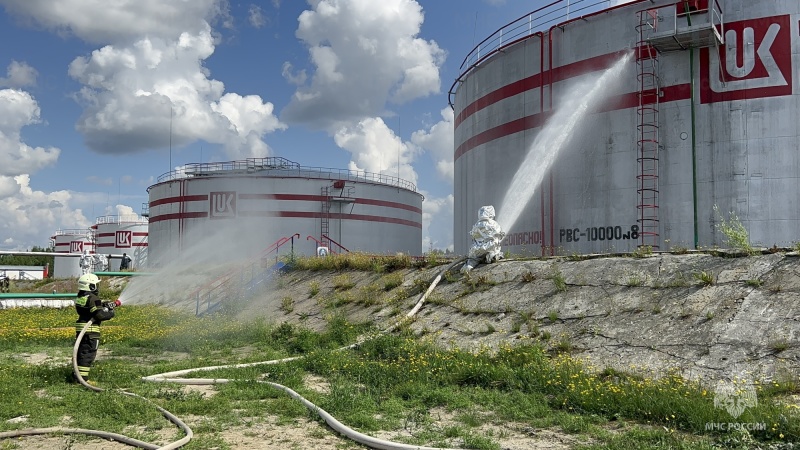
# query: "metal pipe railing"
[[536, 21], [284, 168], [36, 295]]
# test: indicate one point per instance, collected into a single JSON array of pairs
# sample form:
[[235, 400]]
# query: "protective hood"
[[486, 212]]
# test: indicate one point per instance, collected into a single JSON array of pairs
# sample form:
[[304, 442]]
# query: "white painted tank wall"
[[76, 243], [381, 219], [747, 146], [116, 236]]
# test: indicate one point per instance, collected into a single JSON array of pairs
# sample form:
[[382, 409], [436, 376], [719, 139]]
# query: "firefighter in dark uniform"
[[89, 306]]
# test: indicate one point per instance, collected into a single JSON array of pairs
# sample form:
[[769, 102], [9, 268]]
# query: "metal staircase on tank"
[[325, 218], [648, 132], [340, 193], [684, 25]]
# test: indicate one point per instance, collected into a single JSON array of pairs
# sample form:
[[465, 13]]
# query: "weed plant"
[[391, 382], [559, 281], [392, 281], [313, 289], [736, 235], [704, 278], [343, 282]]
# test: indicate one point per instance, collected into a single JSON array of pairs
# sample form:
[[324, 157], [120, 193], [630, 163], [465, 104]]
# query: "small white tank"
[[120, 234], [74, 241]]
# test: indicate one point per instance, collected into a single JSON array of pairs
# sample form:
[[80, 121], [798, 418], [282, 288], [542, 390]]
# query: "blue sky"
[[87, 88]]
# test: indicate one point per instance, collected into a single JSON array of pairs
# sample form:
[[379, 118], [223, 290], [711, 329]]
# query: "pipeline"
[[123, 274], [18, 295], [176, 377]]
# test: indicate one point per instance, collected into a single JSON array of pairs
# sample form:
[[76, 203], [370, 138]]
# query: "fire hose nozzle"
[[116, 303]]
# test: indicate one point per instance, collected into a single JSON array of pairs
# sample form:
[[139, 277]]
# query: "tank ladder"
[[325, 217], [647, 132]]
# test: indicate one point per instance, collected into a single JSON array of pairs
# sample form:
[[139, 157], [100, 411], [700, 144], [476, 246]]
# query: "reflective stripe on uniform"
[[81, 301], [84, 371], [91, 329]]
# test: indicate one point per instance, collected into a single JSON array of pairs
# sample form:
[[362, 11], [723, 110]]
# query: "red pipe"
[[541, 111], [550, 83]]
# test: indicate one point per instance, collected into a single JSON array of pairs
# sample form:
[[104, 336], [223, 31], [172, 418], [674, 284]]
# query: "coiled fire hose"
[[173, 377]]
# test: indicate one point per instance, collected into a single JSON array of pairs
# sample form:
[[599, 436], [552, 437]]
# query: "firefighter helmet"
[[88, 282]]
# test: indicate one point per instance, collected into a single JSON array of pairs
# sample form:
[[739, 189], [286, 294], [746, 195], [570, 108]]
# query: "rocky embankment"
[[706, 316]]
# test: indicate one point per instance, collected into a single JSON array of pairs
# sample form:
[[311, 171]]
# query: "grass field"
[[390, 385]]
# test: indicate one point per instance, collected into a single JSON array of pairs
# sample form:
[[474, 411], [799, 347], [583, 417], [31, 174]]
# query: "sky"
[[98, 98]]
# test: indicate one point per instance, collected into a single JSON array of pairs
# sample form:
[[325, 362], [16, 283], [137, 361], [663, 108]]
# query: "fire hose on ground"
[[175, 377]]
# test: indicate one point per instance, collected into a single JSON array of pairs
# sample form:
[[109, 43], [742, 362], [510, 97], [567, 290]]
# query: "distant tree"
[[30, 260]]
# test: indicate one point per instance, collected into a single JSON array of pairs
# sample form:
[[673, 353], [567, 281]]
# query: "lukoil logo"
[[123, 239], [222, 204], [76, 247], [735, 396], [755, 62]]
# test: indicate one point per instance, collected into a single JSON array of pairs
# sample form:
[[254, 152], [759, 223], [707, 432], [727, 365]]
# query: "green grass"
[[365, 262], [392, 382]]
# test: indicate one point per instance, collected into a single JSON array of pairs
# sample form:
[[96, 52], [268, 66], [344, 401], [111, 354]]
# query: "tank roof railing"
[[123, 218], [73, 232], [286, 167], [532, 23]]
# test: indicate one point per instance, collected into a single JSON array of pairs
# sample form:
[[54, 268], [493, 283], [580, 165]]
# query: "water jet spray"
[[551, 139]]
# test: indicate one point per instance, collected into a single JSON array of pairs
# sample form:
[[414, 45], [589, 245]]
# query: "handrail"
[[321, 244], [284, 167], [73, 232], [230, 272], [522, 28], [325, 236], [277, 244], [124, 218]]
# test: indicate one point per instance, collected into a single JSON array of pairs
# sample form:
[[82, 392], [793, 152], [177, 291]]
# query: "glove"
[[112, 305]]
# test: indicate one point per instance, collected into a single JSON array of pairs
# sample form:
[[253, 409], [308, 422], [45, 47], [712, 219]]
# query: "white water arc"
[[552, 138]]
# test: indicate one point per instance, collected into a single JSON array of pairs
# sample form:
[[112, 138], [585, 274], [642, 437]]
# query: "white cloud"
[[30, 217], [438, 140], [131, 91], [101, 21], [256, 16], [147, 87], [375, 148], [18, 109], [364, 53], [19, 75], [437, 223], [297, 78], [126, 212]]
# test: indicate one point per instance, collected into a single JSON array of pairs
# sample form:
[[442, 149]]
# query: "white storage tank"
[[283, 206], [705, 113], [122, 234], [76, 242]]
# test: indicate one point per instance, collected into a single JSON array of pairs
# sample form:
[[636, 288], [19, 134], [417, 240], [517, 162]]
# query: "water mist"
[[208, 253], [552, 138]]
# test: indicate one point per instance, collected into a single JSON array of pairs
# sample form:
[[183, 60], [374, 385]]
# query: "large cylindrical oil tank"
[[75, 241], [122, 234], [700, 128], [276, 206]]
